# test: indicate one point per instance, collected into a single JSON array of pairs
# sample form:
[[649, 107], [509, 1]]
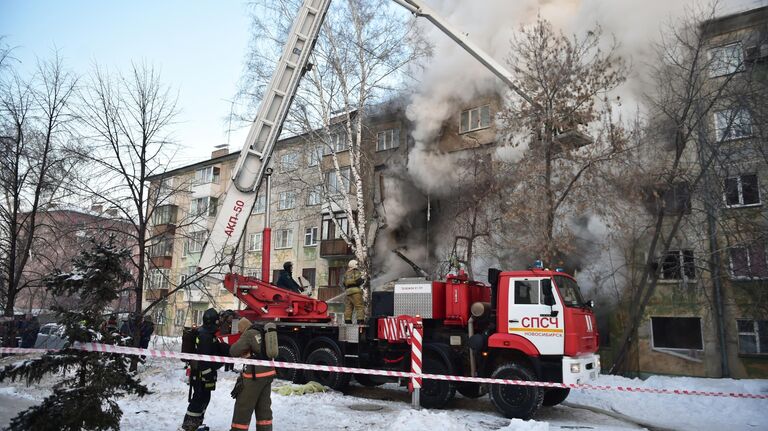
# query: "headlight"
[[597, 363], [575, 368]]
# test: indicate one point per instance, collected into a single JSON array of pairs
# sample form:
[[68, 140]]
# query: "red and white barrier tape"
[[108, 348]]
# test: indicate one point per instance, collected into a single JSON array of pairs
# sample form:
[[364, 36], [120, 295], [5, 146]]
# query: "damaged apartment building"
[[305, 208], [708, 314]]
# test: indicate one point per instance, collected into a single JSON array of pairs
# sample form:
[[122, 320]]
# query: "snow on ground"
[[389, 407]]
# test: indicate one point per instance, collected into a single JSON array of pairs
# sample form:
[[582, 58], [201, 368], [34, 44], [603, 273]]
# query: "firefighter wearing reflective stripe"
[[253, 391], [353, 279], [202, 373]]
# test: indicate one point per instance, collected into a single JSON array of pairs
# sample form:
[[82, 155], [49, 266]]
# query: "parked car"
[[51, 336]]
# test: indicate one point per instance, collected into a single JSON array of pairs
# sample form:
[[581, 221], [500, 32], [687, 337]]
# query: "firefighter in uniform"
[[203, 374], [353, 280], [253, 390]]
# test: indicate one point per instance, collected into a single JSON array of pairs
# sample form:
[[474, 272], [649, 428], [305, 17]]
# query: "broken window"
[[733, 123], [676, 333], [753, 336], [748, 262], [725, 60], [678, 264], [677, 199], [742, 190], [475, 119]]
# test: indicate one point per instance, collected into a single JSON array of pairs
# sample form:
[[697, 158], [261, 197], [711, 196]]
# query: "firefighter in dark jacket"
[[252, 391], [203, 374], [353, 280], [285, 279]]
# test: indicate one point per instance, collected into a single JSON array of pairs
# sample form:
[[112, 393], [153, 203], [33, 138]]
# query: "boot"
[[191, 423]]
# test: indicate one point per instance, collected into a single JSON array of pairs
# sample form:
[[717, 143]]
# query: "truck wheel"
[[329, 357], [287, 354], [555, 396], [435, 394], [471, 390], [516, 401]]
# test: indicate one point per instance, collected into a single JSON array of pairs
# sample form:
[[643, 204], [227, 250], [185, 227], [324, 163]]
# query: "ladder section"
[[248, 173]]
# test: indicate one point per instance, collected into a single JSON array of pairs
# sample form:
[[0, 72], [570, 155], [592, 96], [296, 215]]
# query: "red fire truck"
[[521, 325]]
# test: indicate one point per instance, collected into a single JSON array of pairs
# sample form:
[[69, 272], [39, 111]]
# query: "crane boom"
[[249, 170], [219, 249]]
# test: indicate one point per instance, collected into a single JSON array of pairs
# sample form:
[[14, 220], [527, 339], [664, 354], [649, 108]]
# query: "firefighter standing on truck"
[[353, 280], [253, 388], [202, 373]]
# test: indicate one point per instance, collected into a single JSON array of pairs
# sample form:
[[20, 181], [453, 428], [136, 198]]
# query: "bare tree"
[[558, 167], [34, 114]]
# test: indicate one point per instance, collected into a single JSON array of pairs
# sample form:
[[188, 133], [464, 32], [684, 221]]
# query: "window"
[[158, 278], [753, 336], [255, 273], [725, 60], [283, 238], [742, 191], [315, 154], [335, 275], [387, 139], [197, 317], [526, 291], [162, 247], [475, 119], [195, 242], [677, 199], [209, 174], [678, 264], [190, 278], [179, 319], [289, 162], [748, 262], [260, 206], [309, 275], [165, 189], [203, 206], [254, 242], [676, 333], [287, 200], [336, 144], [331, 230], [570, 291], [733, 124], [164, 214], [311, 235], [332, 181], [315, 196]]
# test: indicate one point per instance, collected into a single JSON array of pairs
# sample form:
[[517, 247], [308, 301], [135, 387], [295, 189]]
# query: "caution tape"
[[125, 350]]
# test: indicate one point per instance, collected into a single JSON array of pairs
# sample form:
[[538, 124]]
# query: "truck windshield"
[[569, 290]]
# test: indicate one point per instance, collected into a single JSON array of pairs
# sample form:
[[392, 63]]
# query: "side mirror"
[[591, 303]]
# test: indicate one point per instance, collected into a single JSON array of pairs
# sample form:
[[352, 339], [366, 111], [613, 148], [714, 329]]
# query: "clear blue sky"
[[199, 46]]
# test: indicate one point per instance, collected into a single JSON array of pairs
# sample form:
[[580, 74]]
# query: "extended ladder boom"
[[250, 168]]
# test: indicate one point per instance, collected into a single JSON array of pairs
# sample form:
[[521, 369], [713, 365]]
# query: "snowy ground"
[[389, 408]]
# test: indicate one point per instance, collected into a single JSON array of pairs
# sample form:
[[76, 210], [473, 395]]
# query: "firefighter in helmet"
[[353, 280], [285, 279], [203, 373], [252, 391]]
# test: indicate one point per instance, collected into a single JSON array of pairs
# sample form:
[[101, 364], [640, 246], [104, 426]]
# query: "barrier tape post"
[[134, 351], [417, 335]]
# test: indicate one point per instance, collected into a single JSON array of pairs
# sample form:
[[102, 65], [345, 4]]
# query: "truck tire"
[[329, 357], [435, 394], [287, 354], [555, 396], [514, 401]]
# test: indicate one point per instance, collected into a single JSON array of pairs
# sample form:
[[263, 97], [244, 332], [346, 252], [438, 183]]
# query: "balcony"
[[335, 248], [162, 261], [155, 294]]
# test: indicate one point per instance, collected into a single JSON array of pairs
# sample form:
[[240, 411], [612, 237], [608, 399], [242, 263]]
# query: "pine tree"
[[85, 397]]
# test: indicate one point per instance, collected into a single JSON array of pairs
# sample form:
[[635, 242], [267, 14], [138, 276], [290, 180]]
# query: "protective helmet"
[[210, 317], [288, 266], [352, 264]]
